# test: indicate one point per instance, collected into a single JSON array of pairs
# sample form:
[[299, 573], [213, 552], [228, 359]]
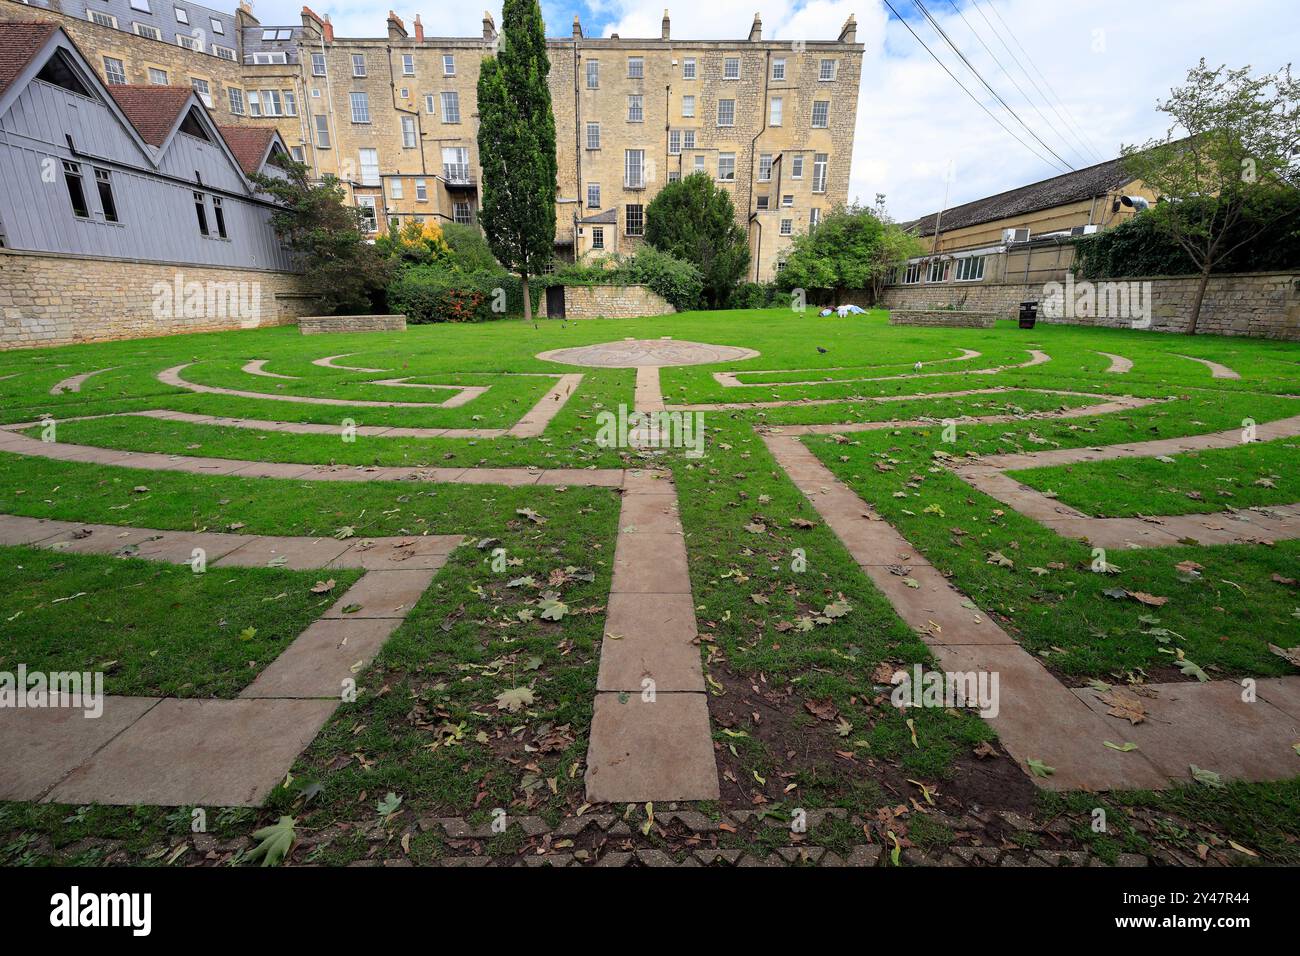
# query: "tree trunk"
[[528, 300], [1200, 297]]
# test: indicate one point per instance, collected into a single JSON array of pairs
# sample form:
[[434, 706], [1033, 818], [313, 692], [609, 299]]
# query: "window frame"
[[450, 114], [731, 113]]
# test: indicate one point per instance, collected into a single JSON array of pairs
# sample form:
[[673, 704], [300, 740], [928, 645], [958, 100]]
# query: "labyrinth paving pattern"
[[538, 617]]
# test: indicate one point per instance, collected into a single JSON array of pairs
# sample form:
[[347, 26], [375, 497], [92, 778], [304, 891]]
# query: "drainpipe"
[[577, 138], [329, 109], [762, 124]]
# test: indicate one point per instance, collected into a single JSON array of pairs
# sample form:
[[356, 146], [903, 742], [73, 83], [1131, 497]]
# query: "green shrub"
[[756, 295], [433, 293], [680, 283]]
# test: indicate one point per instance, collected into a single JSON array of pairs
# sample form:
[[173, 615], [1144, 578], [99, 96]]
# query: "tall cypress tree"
[[516, 146]]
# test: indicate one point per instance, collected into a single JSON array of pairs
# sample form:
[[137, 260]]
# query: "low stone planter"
[[944, 318], [318, 324]]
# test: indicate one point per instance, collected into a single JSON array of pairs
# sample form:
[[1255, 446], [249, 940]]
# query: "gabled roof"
[[1077, 186], [21, 40], [251, 144], [152, 110]]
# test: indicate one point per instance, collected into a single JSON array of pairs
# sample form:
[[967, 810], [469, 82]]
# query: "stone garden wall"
[[48, 299], [316, 324], [1259, 304], [611, 302], [943, 318]]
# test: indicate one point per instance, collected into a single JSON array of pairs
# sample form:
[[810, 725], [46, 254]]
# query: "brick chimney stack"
[[312, 25], [756, 29], [396, 28], [665, 27], [419, 30], [329, 30]]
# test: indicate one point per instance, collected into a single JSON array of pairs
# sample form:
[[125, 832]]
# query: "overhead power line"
[[956, 80], [979, 76], [1065, 117], [1087, 160]]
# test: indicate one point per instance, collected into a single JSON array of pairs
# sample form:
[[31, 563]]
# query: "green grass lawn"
[[426, 726]]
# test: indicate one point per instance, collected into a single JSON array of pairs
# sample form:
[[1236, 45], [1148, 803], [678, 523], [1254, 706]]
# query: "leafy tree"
[[693, 220], [1234, 138], [468, 250], [516, 144], [852, 248], [326, 238]]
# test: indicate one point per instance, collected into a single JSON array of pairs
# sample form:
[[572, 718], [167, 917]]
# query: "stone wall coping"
[[216, 267]]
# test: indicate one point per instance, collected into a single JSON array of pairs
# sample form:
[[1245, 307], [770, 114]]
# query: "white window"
[[272, 103], [254, 103], [970, 269], [429, 100], [460, 213], [688, 139], [451, 107], [322, 131], [634, 220], [236, 100], [598, 237], [408, 64], [775, 109], [762, 202], [224, 52], [635, 67], [674, 177], [358, 64], [157, 77], [826, 71], [369, 221], [688, 68], [455, 164], [787, 227], [778, 68], [726, 112], [369, 166], [217, 27], [406, 92], [819, 173], [796, 166], [182, 15], [593, 195], [265, 58], [408, 132], [787, 201], [688, 107], [360, 107], [144, 30], [731, 68], [202, 88], [448, 64], [298, 153], [814, 217], [912, 274], [593, 136], [395, 187], [727, 167], [189, 42], [635, 112], [938, 271], [103, 19], [114, 71], [593, 74], [634, 168], [675, 142], [821, 114], [765, 168], [141, 5], [318, 64], [699, 164], [421, 191]]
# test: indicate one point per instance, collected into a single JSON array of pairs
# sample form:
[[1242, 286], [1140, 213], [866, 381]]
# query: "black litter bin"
[[1028, 314]]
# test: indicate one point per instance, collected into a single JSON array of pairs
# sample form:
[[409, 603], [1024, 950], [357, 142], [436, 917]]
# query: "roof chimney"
[[577, 28], [312, 25], [756, 29], [243, 14], [665, 28], [489, 27], [396, 28], [849, 32], [329, 30], [419, 30]]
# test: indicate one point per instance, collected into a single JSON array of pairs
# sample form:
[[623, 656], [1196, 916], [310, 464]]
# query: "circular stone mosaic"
[[636, 353]]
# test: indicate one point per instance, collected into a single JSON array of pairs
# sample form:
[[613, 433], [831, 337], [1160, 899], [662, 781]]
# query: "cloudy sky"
[[1083, 75]]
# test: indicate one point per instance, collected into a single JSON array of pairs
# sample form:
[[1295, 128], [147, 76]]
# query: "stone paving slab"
[[417, 553], [389, 594], [93, 538], [651, 751], [1283, 693], [1119, 365], [649, 514], [650, 564], [299, 554], [16, 529], [1113, 532], [548, 406], [274, 470], [208, 752], [935, 609], [1209, 725], [177, 547], [317, 662], [650, 635], [41, 746]]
